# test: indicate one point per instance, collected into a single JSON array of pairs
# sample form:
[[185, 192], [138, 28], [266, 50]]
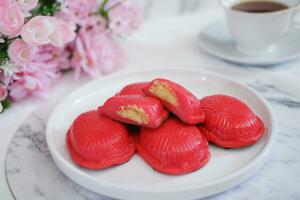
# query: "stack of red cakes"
[[167, 125]]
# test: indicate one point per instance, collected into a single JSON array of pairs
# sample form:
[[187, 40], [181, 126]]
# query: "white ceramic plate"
[[216, 40], [137, 180]]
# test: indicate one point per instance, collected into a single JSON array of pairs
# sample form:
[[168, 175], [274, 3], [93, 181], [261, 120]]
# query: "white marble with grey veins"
[[30, 171], [32, 175]]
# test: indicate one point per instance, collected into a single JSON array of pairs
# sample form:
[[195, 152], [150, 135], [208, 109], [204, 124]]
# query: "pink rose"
[[3, 93], [4, 3], [18, 91], [33, 79], [38, 30], [11, 20], [63, 34], [27, 5], [47, 30], [20, 52], [35, 84]]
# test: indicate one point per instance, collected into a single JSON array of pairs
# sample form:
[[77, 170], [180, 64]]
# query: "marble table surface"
[[175, 45]]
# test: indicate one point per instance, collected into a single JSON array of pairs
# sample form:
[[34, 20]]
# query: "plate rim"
[[243, 171]]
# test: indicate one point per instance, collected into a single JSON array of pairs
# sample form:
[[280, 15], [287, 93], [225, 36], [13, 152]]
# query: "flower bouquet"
[[39, 39]]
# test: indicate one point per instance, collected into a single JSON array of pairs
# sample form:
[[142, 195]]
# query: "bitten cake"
[[135, 109], [176, 99]]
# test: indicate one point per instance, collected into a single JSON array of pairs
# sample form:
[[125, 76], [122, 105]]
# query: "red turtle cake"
[[134, 89], [229, 122], [177, 99], [172, 144], [97, 142], [135, 109], [173, 148]]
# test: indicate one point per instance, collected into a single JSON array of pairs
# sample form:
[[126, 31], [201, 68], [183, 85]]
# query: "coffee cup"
[[257, 25]]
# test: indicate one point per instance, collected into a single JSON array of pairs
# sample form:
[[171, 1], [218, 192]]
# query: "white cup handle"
[[295, 23]]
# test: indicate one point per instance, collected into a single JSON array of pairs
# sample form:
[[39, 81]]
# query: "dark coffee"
[[259, 6]]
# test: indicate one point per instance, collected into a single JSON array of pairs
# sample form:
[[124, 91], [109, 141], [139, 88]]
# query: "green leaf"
[[102, 10], [46, 7], [3, 52], [6, 104], [3, 55]]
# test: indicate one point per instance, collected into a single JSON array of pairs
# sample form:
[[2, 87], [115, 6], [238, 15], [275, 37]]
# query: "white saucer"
[[216, 40], [135, 179]]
